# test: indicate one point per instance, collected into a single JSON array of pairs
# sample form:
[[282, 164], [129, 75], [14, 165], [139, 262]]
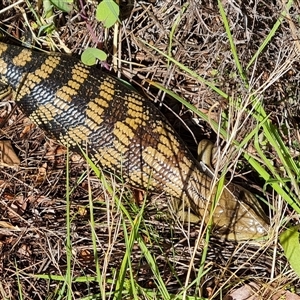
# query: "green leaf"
[[90, 55], [107, 12], [289, 241], [63, 5]]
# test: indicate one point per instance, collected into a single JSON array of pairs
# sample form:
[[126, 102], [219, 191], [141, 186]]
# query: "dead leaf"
[[286, 295], [252, 291], [4, 224], [138, 196], [8, 157], [245, 292], [24, 250], [18, 205]]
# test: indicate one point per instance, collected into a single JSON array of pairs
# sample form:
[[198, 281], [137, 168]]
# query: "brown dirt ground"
[[32, 197]]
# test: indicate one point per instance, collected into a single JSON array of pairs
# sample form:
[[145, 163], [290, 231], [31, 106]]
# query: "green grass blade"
[[68, 235], [271, 33], [232, 45]]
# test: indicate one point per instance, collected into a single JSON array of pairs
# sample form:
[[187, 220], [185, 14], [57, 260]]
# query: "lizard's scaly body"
[[124, 134]]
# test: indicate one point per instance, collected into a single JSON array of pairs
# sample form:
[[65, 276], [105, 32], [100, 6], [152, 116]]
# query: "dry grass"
[[33, 197]]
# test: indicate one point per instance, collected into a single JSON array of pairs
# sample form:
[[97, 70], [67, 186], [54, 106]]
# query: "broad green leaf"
[[289, 241], [63, 5], [107, 12], [48, 9], [90, 55]]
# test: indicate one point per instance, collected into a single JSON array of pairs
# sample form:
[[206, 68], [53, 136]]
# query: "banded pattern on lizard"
[[124, 134]]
